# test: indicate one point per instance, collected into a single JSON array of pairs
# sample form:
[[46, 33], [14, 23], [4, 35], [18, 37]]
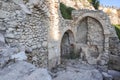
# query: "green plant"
[[66, 11], [117, 28], [95, 3]]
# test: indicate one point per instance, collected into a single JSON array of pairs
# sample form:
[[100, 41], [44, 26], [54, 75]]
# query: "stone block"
[[114, 62], [19, 56], [4, 14]]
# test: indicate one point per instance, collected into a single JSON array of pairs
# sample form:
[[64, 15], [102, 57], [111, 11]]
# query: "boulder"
[[114, 74], [23, 71], [28, 50], [19, 56], [39, 74], [80, 75], [106, 76]]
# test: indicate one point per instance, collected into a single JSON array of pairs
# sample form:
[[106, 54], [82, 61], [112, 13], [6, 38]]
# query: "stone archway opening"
[[90, 39], [67, 45]]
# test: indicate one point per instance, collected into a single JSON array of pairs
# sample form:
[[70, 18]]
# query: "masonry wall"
[[26, 24], [39, 27]]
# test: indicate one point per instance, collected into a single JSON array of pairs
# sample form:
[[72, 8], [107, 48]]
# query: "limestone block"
[[12, 24], [34, 2], [4, 14], [39, 74], [106, 76], [19, 56], [24, 71], [2, 39], [114, 62], [114, 74], [84, 75], [44, 44], [34, 46], [5, 54], [92, 60], [10, 35], [25, 9], [23, 6], [28, 49], [18, 1], [2, 27]]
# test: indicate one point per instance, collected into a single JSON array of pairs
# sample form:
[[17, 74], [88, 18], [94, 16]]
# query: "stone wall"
[[96, 28], [39, 27], [27, 24], [114, 51]]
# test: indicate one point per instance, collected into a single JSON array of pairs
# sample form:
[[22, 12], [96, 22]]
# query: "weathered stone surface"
[[114, 46], [39, 74], [23, 71], [106, 76], [114, 62], [4, 14], [2, 39], [114, 74], [28, 49], [10, 35], [91, 75], [19, 56], [78, 71], [25, 9]]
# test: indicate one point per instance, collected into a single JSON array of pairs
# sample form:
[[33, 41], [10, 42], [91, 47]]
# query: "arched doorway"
[[67, 45], [90, 37]]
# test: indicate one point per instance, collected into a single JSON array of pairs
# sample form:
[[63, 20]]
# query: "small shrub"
[[117, 28], [66, 11]]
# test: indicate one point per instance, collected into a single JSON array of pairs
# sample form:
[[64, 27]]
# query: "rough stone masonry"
[[38, 27]]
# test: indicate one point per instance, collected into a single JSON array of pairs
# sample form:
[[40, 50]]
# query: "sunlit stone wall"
[[26, 22]]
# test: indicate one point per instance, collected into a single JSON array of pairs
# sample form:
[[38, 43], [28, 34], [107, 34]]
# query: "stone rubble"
[[114, 74], [77, 70], [23, 71], [69, 70]]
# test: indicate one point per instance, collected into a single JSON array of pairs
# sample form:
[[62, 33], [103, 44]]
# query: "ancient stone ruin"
[[36, 28]]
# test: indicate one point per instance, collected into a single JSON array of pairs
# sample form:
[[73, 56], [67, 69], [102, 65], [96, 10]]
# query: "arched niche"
[[67, 44]]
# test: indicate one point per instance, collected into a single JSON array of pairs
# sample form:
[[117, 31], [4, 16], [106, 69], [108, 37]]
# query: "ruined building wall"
[[39, 26], [27, 24]]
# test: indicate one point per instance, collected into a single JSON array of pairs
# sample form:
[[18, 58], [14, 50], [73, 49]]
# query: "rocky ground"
[[80, 70], [23, 71], [76, 70], [68, 70]]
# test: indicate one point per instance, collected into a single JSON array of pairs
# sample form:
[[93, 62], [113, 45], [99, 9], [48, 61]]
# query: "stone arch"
[[90, 33], [101, 18], [67, 44]]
